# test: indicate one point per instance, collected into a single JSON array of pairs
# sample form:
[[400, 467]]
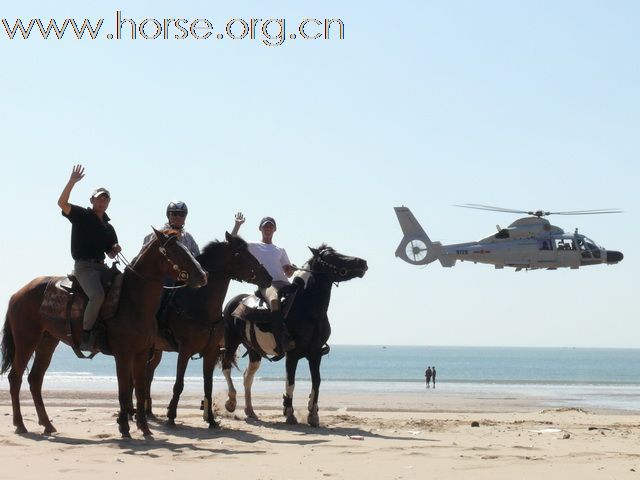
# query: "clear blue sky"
[[526, 105]]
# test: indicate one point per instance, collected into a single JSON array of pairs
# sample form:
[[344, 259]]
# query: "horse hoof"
[[49, 430], [230, 406], [250, 413], [214, 425], [292, 420], [148, 434], [126, 435], [21, 430], [313, 421], [171, 422]]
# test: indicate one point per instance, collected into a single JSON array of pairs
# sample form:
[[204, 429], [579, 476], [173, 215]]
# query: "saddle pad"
[[56, 299], [59, 302], [264, 340]]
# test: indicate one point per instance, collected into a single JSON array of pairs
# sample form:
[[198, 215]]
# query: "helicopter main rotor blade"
[[478, 206], [588, 212], [539, 213]]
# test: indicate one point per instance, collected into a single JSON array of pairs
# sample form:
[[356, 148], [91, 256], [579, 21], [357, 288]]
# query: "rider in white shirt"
[[275, 260]]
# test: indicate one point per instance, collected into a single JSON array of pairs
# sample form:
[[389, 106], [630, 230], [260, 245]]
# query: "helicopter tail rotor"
[[415, 247]]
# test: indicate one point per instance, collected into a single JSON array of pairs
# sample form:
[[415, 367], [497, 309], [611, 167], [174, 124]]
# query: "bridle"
[[340, 271], [183, 275]]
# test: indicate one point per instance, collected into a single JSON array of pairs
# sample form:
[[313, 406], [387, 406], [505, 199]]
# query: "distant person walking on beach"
[[427, 375], [433, 376]]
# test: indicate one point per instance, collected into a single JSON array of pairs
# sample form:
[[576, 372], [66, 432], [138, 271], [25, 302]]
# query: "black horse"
[[307, 322], [194, 318]]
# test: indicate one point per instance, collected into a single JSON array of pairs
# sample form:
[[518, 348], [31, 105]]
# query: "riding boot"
[[88, 340], [281, 332]]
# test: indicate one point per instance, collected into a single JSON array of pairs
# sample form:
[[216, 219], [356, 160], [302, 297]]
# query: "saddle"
[[65, 300], [254, 308]]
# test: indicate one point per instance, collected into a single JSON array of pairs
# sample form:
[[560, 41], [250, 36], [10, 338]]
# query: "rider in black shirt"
[[91, 237]]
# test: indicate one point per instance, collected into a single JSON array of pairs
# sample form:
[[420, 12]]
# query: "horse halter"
[[342, 271], [183, 275]]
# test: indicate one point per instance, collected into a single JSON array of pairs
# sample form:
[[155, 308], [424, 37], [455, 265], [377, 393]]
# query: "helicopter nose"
[[614, 256]]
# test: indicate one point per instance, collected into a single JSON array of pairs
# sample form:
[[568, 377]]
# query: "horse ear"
[[314, 251], [228, 236], [159, 235]]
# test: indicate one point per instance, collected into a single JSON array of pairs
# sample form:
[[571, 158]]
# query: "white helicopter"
[[528, 243]]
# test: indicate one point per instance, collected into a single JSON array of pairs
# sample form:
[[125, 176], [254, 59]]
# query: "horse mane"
[[323, 246], [211, 248]]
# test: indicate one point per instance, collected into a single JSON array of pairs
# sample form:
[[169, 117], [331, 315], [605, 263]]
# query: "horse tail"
[[231, 335], [8, 347]]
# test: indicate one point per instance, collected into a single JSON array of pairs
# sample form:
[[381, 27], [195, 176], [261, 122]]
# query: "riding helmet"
[[177, 206]]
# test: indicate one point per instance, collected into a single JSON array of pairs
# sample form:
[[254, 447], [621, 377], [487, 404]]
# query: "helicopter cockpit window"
[[544, 245], [588, 248], [564, 244]]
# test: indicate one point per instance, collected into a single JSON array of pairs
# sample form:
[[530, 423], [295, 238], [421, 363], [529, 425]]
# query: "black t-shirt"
[[90, 236]]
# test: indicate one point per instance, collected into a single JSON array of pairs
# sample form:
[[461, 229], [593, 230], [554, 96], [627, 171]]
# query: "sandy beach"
[[361, 436]]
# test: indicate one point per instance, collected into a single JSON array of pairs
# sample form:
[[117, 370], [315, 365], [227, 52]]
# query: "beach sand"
[[377, 436]]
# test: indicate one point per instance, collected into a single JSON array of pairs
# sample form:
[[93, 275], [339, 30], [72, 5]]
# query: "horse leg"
[[21, 355], [209, 360], [125, 392], [314, 368], [228, 360], [287, 399], [178, 386], [232, 402], [142, 392], [20, 361], [151, 369], [44, 352], [247, 380]]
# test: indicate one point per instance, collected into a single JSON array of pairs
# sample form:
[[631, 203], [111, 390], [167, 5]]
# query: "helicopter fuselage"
[[528, 243]]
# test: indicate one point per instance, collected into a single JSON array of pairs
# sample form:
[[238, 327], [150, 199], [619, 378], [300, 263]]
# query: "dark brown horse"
[[131, 333], [195, 317], [307, 321]]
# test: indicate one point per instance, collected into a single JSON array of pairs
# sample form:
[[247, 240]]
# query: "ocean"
[[576, 377]]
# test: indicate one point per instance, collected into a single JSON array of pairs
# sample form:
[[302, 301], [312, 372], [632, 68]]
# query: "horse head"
[[243, 265], [336, 266], [175, 260], [233, 259]]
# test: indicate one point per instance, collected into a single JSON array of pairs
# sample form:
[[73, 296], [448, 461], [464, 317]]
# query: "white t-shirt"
[[272, 259]]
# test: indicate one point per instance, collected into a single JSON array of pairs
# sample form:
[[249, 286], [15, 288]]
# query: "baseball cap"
[[266, 220], [100, 191]]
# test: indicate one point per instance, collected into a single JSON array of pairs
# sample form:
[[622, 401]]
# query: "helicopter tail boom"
[[415, 247]]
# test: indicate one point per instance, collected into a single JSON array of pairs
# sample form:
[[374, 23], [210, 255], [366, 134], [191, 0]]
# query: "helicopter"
[[528, 243]]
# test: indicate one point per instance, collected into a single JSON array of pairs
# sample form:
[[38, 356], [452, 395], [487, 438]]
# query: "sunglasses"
[[178, 214]]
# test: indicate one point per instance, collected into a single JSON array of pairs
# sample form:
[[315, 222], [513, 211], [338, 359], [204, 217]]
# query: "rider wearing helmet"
[[176, 215]]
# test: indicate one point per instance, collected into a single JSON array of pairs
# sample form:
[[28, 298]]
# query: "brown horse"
[[130, 333], [195, 318]]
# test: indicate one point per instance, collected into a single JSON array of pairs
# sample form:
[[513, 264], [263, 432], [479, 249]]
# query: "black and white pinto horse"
[[307, 322]]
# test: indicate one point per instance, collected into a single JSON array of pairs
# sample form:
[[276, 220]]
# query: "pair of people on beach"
[[429, 375], [93, 237]]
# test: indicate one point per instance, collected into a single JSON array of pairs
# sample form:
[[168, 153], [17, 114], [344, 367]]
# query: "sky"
[[427, 104]]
